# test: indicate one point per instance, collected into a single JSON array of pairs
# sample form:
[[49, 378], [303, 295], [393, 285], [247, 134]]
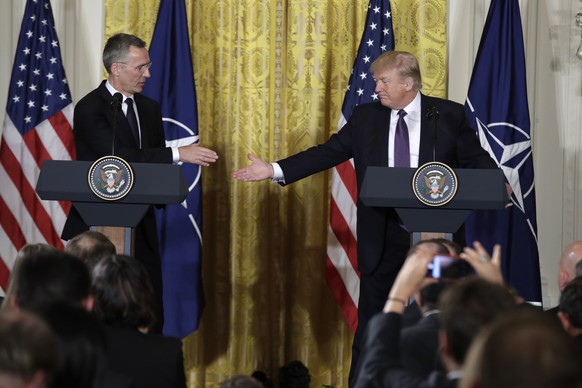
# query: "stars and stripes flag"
[[179, 226], [497, 106], [341, 265], [37, 127]]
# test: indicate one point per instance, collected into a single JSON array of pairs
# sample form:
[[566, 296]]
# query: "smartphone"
[[447, 267]]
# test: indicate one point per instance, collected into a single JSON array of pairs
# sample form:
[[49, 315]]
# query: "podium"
[[392, 187], [157, 184]]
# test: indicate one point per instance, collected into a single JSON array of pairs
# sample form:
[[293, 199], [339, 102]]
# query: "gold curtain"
[[270, 79]]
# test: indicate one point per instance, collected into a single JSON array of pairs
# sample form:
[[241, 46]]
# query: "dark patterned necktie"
[[133, 120], [401, 144]]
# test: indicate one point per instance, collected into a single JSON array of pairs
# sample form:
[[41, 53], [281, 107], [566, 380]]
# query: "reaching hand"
[[195, 154], [411, 278], [257, 171], [489, 268]]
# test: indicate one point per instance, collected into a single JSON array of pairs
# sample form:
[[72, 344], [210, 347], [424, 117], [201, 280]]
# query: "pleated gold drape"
[[270, 79]]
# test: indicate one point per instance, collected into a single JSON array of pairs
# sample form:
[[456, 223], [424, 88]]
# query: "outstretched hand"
[[195, 154], [257, 171]]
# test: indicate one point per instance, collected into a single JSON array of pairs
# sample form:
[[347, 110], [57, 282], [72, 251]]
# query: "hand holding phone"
[[447, 267]]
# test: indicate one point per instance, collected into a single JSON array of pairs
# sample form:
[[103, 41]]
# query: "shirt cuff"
[[175, 155], [278, 176]]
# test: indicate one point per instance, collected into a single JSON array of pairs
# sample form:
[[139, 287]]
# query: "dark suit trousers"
[[375, 287]]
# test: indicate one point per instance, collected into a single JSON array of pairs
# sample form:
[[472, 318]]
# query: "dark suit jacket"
[[93, 132], [149, 360], [381, 365], [419, 346], [365, 138]]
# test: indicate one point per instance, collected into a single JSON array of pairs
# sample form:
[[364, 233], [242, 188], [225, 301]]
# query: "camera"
[[447, 267]]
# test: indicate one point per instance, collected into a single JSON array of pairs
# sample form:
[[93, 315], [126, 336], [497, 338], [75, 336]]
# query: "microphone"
[[116, 106], [116, 102], [433, 112]]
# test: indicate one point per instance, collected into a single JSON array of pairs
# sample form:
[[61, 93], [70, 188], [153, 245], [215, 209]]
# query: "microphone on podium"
[[115, 103], [433, 112]]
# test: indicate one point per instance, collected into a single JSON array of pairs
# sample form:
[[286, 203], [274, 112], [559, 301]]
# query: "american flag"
[[341, 267], [37, 127]]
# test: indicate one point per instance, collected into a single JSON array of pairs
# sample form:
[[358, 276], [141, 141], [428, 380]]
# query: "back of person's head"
[[123, 293], [90, 246], [262, 378], [571, 256], [240, 381], [453, 247], [117, 47], [466, 307], [432, 245], [81, 342], [570, 308], [429, 295], [48, 276], [524, 349], [294, 375], [28, 350]]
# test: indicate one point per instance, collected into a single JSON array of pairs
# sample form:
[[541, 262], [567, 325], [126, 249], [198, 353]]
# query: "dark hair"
[[294, 375], [117, 48], [440, 248], [82, 345], [524, 349], [571, 301], [468, 306], [48, 276], [123, 293], [450, 245], [28, 345], [90, 247]]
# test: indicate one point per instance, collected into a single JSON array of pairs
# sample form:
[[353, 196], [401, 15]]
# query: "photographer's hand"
[[488, 268], [411, 278]]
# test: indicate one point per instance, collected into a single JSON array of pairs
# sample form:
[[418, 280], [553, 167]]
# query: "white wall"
[[554, 89]]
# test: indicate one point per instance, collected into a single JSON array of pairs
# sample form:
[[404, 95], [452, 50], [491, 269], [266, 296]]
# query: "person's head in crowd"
[[294, 375], [570, 308], [123, 293], [523, 349], [578, 269], [466, 307], [427, 297], [453, 247], [240, 381], [90, 247], [571, 256], [42, 276], [29, 353], [127, 62], [398, 79], [82, 345], [262, 377]]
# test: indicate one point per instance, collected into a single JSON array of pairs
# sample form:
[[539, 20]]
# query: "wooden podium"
[[157, 184], [392, 187]]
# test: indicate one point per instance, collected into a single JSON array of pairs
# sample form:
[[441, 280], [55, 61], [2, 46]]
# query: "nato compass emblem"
[[110, 178], [434, 184]]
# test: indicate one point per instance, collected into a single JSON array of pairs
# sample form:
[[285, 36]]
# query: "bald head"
[[571, 255]]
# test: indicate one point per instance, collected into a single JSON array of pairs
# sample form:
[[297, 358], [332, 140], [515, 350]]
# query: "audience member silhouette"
[[571, 256], [524, 349], [240, 381], [124, 300], [570, 310], [466, 307], [82, 348], [29, 355], [90, 246], [294, 375], [43, 275]]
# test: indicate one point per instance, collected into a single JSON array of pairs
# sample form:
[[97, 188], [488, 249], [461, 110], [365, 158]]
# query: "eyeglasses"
[[140, 68]]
